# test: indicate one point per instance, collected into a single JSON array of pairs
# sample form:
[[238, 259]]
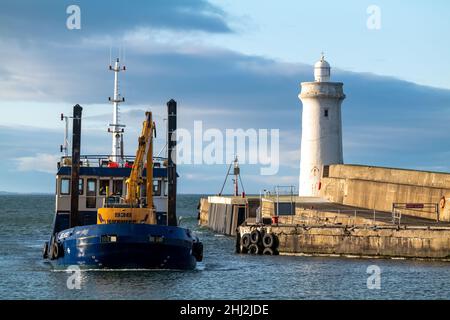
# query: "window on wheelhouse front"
[[102, 187], [65, 185], [81, 186], [157, 188], [64, 188], [118, 187], [91, 193]]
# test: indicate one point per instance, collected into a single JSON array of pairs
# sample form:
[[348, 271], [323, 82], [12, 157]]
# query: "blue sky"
[[410, 44], [231, 64]]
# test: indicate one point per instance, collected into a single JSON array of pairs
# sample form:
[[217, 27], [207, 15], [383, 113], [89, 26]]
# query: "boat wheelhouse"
[[100, 176]]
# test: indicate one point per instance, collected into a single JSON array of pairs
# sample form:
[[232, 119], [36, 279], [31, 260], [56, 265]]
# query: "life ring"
[[268, 240], [255, 236], [442, 202]]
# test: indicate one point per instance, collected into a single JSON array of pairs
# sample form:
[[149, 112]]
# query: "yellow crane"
[[131, 209]]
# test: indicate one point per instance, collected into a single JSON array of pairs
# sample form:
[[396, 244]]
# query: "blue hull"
[[125, 246]]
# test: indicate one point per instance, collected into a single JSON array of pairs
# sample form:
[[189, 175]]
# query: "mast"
[[75, 170], [171, 163], [149, 170], [236, 172], [65, 146], [115, 127], [237, 178]]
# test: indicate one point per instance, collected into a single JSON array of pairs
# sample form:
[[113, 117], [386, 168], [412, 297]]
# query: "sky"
[[230, 64]]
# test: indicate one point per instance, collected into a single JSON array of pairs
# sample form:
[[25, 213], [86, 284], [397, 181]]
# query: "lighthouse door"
[[314, 178]]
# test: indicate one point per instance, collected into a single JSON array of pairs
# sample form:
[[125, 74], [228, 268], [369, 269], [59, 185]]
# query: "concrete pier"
[[223, 214], [317, 226], [361, 241]]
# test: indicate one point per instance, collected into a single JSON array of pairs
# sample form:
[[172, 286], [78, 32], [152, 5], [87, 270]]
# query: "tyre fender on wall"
[[442, 202]]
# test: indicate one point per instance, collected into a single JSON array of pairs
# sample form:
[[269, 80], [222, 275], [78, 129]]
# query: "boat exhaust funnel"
[[171, 163], [76, 143]]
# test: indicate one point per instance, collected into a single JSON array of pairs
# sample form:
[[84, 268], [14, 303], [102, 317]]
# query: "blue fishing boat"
[[116, 211]]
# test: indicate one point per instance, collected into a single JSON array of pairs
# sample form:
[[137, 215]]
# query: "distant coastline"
[[7, 193]]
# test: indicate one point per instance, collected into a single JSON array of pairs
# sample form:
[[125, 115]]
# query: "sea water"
[[25, 224]]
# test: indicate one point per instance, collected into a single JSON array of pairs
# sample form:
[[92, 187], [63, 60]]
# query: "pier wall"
[[381, 241], [378, 188], [223, 214], [203, 211], [314, 217]]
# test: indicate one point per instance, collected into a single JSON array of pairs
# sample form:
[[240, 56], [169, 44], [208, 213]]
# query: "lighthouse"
[[321, 143]]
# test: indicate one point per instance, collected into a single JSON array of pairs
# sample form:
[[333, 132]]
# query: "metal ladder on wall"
[[396, 216]]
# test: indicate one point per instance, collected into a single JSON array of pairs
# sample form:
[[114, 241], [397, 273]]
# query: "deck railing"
[[105, 161], [360, 217]]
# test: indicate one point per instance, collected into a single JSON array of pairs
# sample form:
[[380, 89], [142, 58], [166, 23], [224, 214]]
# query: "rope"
[[242, 186]]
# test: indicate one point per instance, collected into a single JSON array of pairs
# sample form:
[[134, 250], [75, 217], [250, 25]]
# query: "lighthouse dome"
[[322, 70]]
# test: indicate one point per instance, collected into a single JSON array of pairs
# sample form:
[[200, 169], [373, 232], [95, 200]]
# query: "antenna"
[[115, 128], [65, 146]]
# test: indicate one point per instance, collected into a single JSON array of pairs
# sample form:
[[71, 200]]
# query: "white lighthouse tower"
[[321, 127]]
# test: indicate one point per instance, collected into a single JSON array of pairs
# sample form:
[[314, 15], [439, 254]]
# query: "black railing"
[[105, 161]]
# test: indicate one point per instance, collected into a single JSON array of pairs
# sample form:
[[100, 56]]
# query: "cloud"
[[46, 19], [41, 162], [386, 121]]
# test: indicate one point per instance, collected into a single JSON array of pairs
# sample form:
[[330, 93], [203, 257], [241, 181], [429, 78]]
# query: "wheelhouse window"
[[81, 186], [64, 188], [91, 187], [104, 183], [157, 188], [117, 187], [91, 193]]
